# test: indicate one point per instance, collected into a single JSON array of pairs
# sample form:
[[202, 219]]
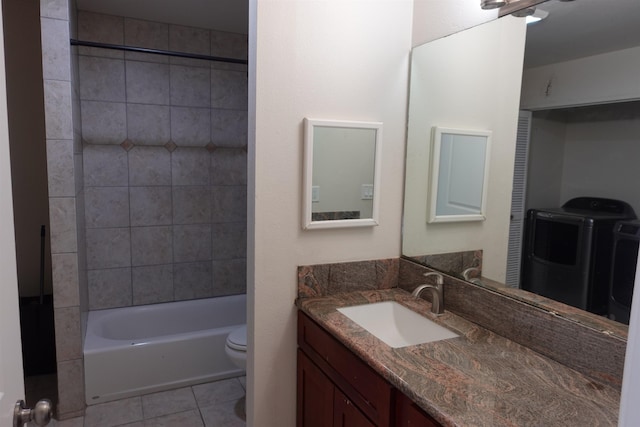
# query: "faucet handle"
[[438, 276]]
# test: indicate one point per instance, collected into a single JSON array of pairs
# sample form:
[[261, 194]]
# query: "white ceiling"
[[580, 28], [572, 30], [222, 15]]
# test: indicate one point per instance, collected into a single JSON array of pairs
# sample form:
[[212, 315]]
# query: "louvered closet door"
[[516, 227]]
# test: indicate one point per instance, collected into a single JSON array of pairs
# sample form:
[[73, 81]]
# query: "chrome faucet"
[[437, 301], [467, 273]]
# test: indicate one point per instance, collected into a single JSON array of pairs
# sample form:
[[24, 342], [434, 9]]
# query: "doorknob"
[[40, 415]]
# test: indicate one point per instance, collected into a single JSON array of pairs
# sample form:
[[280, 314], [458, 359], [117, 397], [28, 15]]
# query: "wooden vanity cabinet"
[[321, 403], [336, 388], [345, 414], [408, 414], [315, 395], [360, 396]]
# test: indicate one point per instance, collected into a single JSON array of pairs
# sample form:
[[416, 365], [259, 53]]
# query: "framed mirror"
[[459, 175], [341, 173]]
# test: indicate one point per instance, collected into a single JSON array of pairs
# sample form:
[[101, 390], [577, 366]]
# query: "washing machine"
[[626, 240], [567, 251]]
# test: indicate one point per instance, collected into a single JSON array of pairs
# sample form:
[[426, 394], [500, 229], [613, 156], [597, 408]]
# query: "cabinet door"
[[408, 414], [346, 414], [315, 395], [371, 393]]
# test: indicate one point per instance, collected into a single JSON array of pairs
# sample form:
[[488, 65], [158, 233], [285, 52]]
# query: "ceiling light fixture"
[[524, 12], [492, 4], [536, 16]]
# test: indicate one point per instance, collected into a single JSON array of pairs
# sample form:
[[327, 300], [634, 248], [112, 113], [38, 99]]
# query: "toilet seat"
[[237, 339]]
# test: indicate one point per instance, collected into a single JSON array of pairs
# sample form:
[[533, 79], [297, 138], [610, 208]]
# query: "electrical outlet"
[[315, 193], [367, 192]]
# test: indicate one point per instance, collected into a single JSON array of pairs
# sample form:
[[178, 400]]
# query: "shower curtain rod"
[[157, 51]]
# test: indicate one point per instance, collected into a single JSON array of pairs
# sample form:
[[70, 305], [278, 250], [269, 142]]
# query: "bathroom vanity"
[[336, 388], [348, 377]]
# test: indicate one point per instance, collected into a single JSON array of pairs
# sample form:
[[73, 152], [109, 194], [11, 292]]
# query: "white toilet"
[[236, 347]]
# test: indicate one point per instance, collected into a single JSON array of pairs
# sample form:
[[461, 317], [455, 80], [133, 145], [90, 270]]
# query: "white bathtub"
[[136, 350]]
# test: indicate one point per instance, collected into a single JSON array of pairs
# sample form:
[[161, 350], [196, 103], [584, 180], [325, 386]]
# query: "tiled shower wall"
[[126, 149], [164, 163], [66, 198]]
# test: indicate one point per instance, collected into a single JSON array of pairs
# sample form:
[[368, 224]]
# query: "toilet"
[[236, 347]]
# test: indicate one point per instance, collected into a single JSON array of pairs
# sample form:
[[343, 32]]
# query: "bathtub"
[[137, 350]]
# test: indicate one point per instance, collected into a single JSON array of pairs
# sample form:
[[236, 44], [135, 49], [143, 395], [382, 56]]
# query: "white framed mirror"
[[459, 175], [341, 173]]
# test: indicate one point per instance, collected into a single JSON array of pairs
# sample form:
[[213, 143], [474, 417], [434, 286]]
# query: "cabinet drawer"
[[360, 383]]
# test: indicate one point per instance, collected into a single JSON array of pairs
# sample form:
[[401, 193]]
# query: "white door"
[[11, 380]]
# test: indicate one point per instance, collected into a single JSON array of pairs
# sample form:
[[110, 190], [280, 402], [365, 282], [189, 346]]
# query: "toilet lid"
[[237, 339]]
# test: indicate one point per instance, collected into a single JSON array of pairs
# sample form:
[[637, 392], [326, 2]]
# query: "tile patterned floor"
[[215, 404]]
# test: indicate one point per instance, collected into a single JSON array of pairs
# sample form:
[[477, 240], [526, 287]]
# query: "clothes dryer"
[[626, 238], [567, 251]]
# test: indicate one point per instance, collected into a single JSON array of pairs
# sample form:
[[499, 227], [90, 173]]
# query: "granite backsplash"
[[453, 263], [593, 351], [327, 279]]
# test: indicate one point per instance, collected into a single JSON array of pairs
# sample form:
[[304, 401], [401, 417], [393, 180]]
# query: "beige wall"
[[545, 161], [601, 160], [338, 59], [444, 92], [595, 154]]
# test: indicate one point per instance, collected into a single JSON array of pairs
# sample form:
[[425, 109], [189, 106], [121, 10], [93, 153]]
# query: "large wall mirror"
[[341, 173], [562, 102]]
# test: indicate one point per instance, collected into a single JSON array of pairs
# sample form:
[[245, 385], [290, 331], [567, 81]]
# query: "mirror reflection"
[[340, 173], [577, 137], [459, 171]]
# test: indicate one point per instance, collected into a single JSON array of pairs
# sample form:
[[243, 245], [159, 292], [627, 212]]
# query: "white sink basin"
[[395, 324]]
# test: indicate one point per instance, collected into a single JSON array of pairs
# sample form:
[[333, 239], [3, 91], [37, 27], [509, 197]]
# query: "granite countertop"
[[477, 379]]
